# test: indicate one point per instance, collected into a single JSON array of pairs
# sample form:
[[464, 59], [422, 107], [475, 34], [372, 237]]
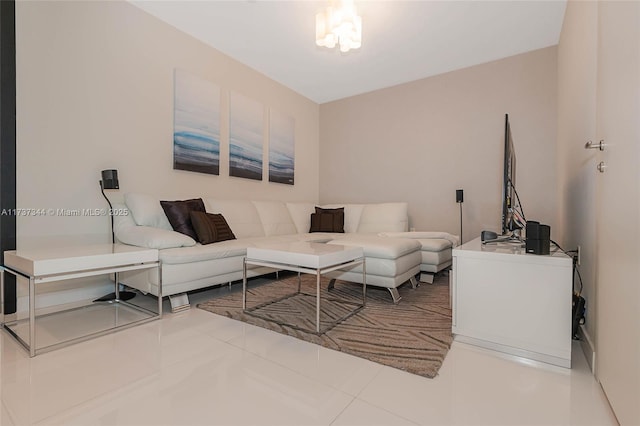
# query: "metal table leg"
[[244, 283], [318, 302]]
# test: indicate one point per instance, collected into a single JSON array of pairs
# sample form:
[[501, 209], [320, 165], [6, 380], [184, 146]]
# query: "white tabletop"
[[305, 254], [514, 251], [74, 258]]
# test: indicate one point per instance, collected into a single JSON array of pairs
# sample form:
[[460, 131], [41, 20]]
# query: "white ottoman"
[[436, 255], [390, 262], [436, 249]]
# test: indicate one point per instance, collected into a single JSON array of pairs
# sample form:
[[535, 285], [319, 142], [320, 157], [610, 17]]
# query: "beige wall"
[[95, 91], [420, 141], [577, 83]]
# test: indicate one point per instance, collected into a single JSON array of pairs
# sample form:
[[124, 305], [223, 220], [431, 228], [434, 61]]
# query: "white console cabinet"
[[510, 301]]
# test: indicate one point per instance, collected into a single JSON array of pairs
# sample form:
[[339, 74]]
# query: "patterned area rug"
[[413, 335]]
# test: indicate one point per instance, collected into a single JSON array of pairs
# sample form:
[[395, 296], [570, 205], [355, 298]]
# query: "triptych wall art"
[[197, 135], [245, 137], [196, 124], [281, 148]]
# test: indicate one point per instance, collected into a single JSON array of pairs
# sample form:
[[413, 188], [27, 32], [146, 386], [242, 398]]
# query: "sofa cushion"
[[384, 217], [435, 257], [241, 215], [352, 213], [178, 213], [155, 238], [327, 222], [374, 246], [424, 235], [211, 227], [275, 218], [146, 211], [199, 252], [222, 249], [301, 215], [435, 244]]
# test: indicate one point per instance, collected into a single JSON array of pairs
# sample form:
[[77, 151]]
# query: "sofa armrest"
[[156, 238]]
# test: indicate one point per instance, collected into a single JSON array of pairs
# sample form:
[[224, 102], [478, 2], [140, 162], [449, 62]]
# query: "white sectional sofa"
[[391, 259]]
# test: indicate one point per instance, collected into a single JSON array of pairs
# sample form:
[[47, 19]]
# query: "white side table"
[[507, 300], [42, 266]]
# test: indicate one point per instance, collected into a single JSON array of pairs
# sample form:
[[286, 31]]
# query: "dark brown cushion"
[[211, 228], [327, 222], [332, 211], [178, 213]]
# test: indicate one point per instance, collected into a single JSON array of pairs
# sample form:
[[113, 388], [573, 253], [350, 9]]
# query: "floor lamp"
[[459, 200], [110, 181]]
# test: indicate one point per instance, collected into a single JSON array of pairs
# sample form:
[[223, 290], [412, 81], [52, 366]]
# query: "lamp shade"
[[110, 179]]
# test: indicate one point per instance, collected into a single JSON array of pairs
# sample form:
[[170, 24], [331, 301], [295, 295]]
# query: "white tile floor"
[[196, 368]]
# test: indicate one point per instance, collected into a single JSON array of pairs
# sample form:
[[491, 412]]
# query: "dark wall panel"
[[8, 142]]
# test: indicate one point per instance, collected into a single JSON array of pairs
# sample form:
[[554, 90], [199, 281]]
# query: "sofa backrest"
[[275, 218], [301, 215], [352, 213], [268, 218], [241, 215]]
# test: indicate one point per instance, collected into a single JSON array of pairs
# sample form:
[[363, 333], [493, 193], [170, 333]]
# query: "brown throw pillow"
[[327, 222], [178, 213], [211, 228], [331, 211]]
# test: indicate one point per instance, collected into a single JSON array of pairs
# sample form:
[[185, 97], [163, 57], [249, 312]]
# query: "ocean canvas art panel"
[[245, 137], [196, 124], [281, 148]]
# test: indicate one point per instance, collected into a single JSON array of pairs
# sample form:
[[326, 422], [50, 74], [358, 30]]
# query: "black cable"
[[579, 277], [561, 249], [517, 198], [113, 235], [460, 223], [575, 265]]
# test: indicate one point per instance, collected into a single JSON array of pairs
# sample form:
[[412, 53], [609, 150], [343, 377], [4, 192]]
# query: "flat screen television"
[[512, 218]]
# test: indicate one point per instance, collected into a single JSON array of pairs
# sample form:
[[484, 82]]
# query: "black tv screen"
[[509, 181]]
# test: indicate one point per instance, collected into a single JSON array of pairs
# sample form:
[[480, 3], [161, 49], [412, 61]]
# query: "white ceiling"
[[401, 40]]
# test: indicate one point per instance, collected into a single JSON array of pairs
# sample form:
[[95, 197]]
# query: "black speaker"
[[459, 196], [537, 246], [537, 231], [110, 179], [538, 238]]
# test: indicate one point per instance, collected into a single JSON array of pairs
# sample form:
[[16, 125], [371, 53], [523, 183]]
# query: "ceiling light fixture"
[[339, 24]]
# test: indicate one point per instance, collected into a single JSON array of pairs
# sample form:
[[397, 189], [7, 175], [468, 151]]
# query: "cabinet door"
[[618, 200]]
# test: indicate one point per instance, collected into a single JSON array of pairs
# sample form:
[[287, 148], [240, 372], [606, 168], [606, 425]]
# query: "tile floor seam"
[[301, 373], [109, 396], [342, 411], [389, 411], [304, 374]]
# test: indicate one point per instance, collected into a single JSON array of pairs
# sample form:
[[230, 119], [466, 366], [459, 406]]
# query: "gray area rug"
[[414, 335]]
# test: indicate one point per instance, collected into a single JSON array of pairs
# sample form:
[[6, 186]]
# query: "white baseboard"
[[564, 362], [587, 347]]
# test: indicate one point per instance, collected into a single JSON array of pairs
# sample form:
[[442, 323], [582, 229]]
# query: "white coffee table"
[[307, 258], [45, 265]]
